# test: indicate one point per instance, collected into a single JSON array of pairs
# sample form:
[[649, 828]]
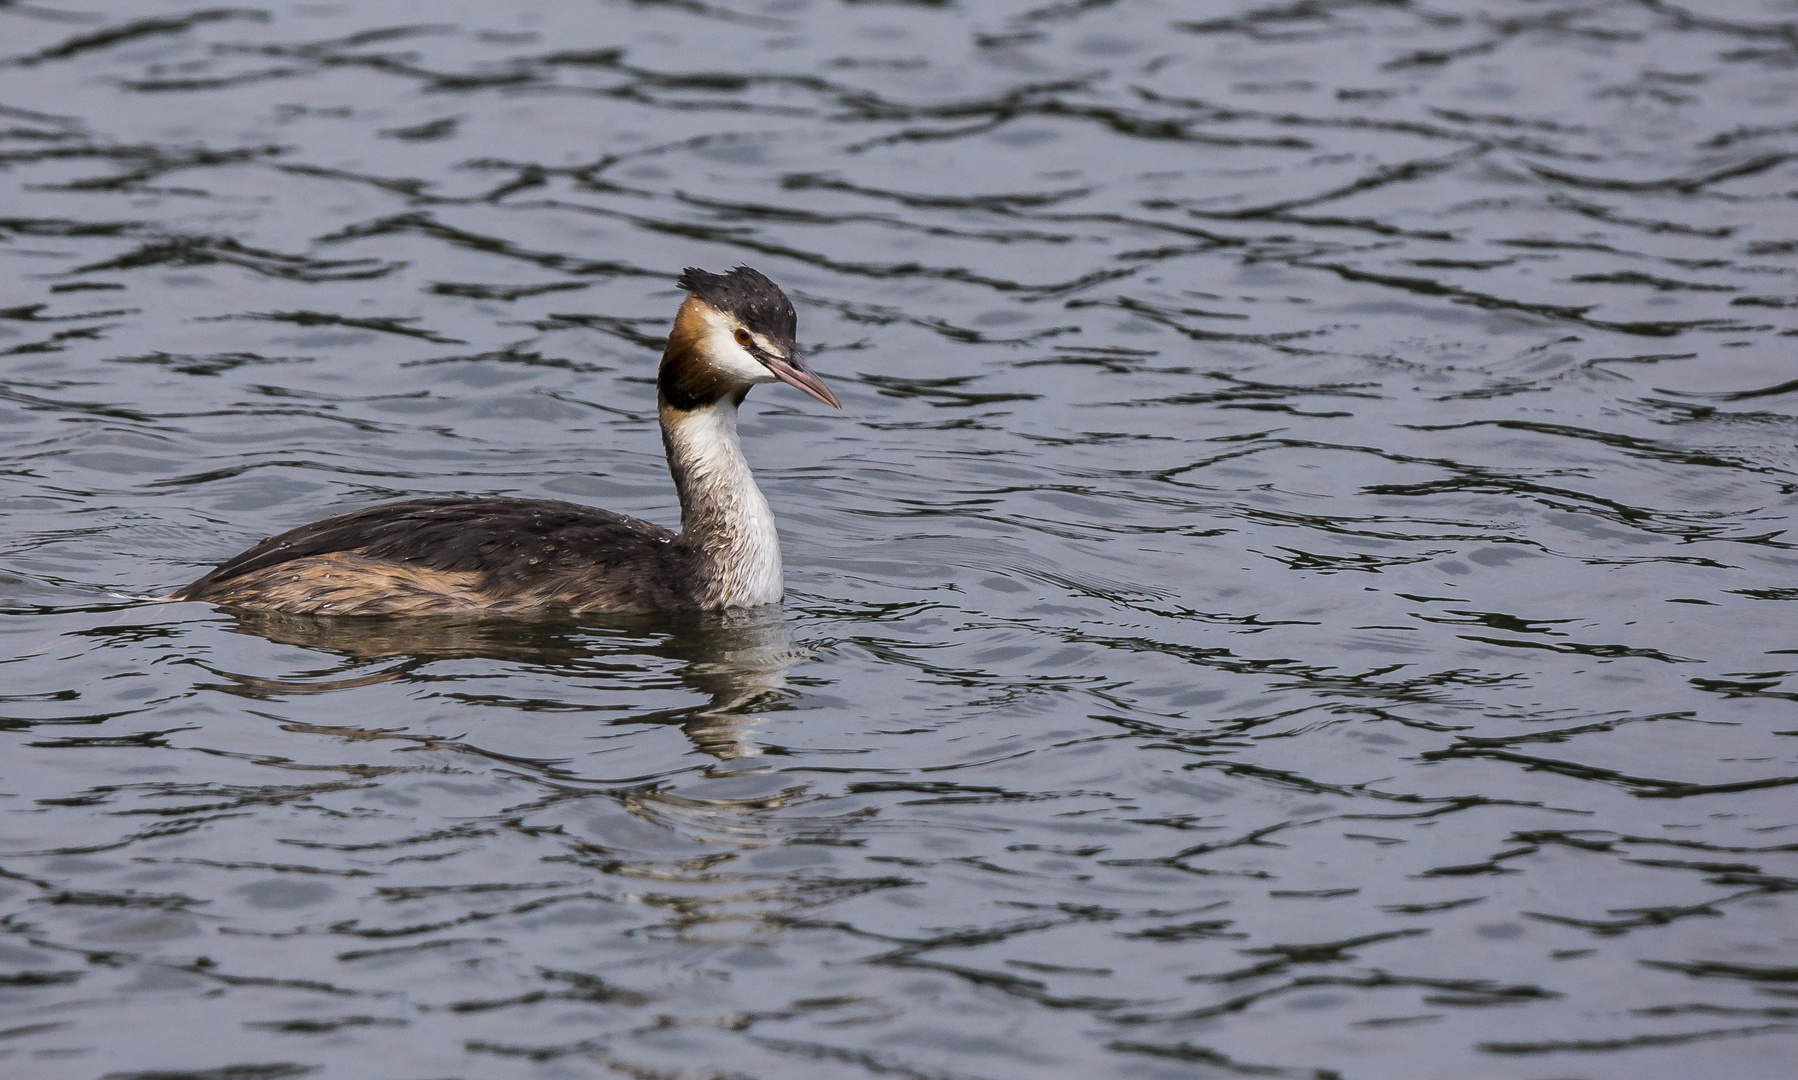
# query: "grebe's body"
[[503, 556]]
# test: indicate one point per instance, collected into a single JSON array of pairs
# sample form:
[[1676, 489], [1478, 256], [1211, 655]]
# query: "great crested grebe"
[[448, 556]]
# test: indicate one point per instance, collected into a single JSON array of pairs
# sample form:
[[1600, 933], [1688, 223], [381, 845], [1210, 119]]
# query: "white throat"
[[723, 514]]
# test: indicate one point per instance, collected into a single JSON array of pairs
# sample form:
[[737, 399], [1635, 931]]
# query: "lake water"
[[1302, 584]]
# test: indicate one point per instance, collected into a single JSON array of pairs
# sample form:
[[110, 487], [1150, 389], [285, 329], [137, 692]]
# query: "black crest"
[[749, 296]]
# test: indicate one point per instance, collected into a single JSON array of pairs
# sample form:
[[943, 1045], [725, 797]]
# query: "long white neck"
[[724, 519]]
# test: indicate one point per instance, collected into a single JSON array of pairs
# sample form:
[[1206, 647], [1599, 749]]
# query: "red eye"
[[742, 337]]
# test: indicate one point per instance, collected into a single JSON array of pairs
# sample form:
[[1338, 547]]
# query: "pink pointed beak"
[[795, 373]]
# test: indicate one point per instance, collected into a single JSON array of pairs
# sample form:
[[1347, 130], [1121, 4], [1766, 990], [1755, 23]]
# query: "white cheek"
[[722, 350]]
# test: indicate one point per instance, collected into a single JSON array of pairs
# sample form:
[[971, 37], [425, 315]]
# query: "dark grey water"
[[1302, 583]]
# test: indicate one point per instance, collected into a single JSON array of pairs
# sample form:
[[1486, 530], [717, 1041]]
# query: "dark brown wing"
[[516, 546]]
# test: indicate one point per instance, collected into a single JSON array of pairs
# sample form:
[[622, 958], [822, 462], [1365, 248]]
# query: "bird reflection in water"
[[738, 659]]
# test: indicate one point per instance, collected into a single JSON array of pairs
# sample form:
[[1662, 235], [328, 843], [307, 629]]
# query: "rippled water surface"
[[1302, 583]]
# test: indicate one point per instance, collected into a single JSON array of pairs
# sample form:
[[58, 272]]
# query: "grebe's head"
[[733, 330]]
